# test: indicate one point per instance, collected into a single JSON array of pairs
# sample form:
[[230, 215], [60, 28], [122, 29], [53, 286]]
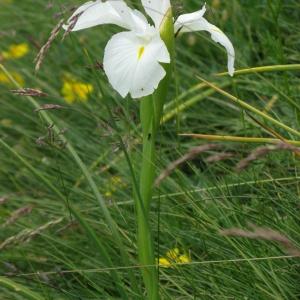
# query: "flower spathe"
[[132, 59]]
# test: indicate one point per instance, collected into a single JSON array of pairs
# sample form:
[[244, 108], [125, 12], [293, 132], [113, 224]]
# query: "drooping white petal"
[[116, 12], [196, 22], [189, 19], [156, 9], [132, 64]]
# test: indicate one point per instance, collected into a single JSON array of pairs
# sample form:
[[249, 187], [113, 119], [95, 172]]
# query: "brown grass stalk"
[[72, 22], [17, 214], [27, 235], [42, 53], [49, 107], [191, 154], [262, 151], [262, 233], [29, 92]]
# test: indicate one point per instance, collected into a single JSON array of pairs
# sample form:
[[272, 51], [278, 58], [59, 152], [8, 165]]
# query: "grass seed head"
[[29, 92], [42, 53]]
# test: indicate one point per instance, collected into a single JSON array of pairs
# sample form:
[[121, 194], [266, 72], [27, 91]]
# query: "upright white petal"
[[156, 9], [132, 63], [133, 19], [196, 22], [116, 12]]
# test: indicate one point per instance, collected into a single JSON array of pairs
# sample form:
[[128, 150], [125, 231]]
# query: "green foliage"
[[79, 239]]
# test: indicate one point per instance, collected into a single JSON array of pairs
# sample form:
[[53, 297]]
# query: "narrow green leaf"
[[19, 289]]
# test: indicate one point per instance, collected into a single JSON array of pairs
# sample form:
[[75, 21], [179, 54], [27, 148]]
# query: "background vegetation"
[[55, 235]]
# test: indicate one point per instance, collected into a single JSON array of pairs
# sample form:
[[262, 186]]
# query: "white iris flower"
[[132, 59]]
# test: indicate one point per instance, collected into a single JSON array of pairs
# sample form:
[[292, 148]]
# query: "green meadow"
[[225, 221]]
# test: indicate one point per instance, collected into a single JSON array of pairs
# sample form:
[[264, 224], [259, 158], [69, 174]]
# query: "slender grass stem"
[[78, 216], [238, 139], [85, 171], [189, 103], [251, 108], [77, 159], [264, 69], [21, 289]]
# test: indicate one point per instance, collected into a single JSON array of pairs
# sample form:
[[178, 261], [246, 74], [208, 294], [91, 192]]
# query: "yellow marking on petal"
[[141, 52]]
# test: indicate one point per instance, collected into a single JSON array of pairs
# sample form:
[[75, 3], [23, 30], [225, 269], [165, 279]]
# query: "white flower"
[[196, 22], [132, 59]]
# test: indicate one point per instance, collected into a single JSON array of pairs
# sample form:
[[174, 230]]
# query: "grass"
[[79, 239]]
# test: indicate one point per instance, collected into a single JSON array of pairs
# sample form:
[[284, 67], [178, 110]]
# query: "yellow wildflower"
[[173, 257], [6, 1], [184, 259], [73, 90], [164, 262], [6, 122], [117, 181], [216, 4], [172, 254], [16, 51], [114, 184], [108, 194], [4, 79]]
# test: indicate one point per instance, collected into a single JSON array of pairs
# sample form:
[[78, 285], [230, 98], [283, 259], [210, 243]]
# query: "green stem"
[[238, 139], [263, 69], [151, 110], [20, 289], [251, 108], [170, 114], [147, 174]]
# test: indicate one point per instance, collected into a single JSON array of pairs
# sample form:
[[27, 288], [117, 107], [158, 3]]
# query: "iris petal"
[[196, 22], [156, 9], [132, 64], [116, 12]]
